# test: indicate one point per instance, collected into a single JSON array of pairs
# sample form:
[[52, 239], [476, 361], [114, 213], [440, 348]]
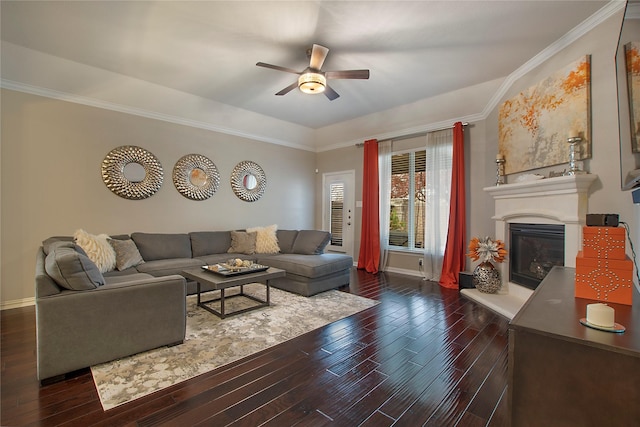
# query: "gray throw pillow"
[[243, 243], [71, 269], [311, 242], [127, 253]]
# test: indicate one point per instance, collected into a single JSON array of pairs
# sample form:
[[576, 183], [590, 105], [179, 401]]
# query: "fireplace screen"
[[535, 250]]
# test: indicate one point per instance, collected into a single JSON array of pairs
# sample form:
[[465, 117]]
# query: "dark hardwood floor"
[[424, 356]]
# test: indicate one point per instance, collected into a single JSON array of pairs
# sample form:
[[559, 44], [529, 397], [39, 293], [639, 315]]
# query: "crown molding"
[[431, 127], [98, 103], [580, 30]]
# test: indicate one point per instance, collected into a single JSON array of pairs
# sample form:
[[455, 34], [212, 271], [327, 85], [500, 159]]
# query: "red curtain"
[[454, 252], [369, 257]]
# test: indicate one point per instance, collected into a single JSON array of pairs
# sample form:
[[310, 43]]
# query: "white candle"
[[601, 315], [574, 132]]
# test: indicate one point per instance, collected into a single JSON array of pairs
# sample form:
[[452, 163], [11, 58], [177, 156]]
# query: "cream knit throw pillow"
[[98, 249], [266, 240]]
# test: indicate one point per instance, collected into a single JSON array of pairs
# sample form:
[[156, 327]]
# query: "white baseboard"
[[17, 303], [403, 271], [397, 270]]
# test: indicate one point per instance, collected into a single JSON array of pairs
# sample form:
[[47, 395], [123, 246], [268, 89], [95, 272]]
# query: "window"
[[336, 212], [415, 190], [408, 196]]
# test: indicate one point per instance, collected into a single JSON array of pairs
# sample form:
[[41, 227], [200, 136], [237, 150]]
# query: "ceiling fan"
[[312, 79]]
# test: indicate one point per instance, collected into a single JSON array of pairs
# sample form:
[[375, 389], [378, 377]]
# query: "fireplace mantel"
[[557, 185]]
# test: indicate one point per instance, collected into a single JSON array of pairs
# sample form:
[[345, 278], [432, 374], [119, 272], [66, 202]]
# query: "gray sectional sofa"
[[85, 317]]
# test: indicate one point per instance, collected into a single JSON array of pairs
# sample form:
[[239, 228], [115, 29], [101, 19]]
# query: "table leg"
[[222, 303], [268, 297], [198, 291]]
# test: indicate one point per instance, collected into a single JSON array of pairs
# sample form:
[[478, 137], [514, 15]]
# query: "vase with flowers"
[[486, 278]]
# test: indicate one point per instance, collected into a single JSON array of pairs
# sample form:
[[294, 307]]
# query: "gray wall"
[[51, 184]]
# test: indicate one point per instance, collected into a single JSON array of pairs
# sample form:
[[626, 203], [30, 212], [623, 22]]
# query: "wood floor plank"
[[423, 355], [377, 419]]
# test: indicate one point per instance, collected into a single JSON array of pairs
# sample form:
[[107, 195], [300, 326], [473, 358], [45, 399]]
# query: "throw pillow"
[[311, 242], [98, 249], [243, 243], [71, 269], [266, 239], [127, 253]]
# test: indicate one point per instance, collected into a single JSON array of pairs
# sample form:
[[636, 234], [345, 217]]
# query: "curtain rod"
[[413, 135]]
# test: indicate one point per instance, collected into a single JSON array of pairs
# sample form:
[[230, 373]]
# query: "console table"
[[562, 373]]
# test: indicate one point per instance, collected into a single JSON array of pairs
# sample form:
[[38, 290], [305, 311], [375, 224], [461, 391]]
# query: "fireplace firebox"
[[534, 250]]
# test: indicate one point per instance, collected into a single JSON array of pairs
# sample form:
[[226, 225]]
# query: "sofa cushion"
[[309, 266], [243, 242], [110, 281], [127, 253], [311, 242], [118, 273], [155, 246], [286, 238], [166, 267], [71, 269], [210, 242], [97, 248], [266, 239]]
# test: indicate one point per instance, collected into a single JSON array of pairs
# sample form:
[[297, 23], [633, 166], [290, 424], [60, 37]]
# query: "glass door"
[[338, 210]]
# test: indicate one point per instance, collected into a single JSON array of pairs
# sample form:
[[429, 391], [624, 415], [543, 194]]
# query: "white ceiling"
[[414, 49]]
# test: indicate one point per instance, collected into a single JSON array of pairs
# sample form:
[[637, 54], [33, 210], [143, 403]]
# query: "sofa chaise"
[[85, 316]]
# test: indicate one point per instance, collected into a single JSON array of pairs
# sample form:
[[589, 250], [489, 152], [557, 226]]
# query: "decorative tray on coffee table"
[[225, 269]]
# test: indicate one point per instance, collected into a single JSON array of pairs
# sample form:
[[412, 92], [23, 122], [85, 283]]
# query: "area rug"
[[211, 342]]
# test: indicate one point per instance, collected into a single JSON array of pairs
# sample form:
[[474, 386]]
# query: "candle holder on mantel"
[[574, 169], [499, 171]]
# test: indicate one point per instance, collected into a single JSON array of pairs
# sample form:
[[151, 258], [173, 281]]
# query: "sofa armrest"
[[44, 283], [77, 329]]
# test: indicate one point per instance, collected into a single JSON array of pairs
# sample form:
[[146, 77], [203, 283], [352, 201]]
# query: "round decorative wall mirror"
[[248, 181], [132, 172], [196, 177]]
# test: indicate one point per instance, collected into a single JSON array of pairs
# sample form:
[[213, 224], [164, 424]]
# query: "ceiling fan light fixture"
[[312, 83]]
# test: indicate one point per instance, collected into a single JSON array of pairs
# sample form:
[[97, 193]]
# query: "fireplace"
[[535, 250], [557, 202]]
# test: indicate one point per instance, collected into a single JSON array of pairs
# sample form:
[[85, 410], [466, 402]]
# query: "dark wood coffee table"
[[221, 283]]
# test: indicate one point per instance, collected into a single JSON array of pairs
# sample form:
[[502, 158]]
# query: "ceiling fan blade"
[[318, 55], [288, 89], [347, 74], [277, 67], [330, 93]]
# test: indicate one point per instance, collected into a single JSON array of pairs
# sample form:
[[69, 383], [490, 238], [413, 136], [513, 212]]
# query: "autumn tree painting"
[[632, 56], [533, 126]]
